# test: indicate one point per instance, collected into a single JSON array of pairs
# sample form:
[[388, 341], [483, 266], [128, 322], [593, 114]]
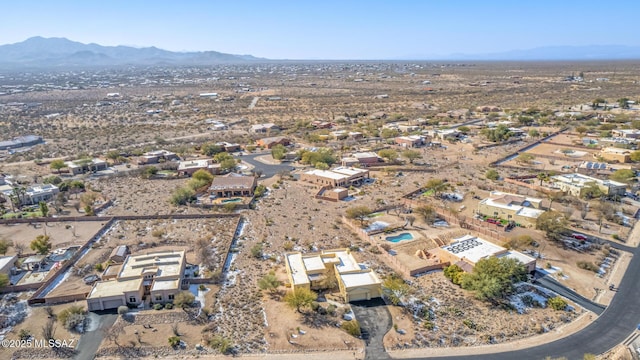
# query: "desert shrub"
[[557, 303], [72, 318], [469, 323], [99, 267], [168, 306], [123, 310], [184, 299], [174, 341], [429, 325], [222, 344], [157, 306], [24, 334], [331, 309], [352, 328], [588, 265]]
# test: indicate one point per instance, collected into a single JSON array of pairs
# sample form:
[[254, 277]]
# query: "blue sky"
[[327, 29]]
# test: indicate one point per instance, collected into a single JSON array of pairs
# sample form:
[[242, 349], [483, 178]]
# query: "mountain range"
[[61, 52], [41, 52]]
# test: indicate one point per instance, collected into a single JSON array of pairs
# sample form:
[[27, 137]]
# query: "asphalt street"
[[268, 170]]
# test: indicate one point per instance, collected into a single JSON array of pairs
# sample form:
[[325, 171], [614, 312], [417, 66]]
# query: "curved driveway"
[[611, 328], [268, 170]]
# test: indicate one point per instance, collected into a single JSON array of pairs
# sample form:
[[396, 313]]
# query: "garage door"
[[359, 295], [94, 306], [112, 304]]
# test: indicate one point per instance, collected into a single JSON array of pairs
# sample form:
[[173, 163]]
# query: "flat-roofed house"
[[363, 159], [233, 185], [270, 142], [576, 184], [471, 249], [33, 194], [81, 166], [264, 128], [314, 271], [155, 277], [187, 168], [410, 141], [340, 176], [154, 157], [518, 208], [614, 154], [626, 133]]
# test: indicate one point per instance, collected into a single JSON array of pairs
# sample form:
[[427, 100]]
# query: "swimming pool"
[[231, 200], [398, 238]]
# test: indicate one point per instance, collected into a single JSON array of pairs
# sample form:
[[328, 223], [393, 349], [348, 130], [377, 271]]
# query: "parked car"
[[579, 236]]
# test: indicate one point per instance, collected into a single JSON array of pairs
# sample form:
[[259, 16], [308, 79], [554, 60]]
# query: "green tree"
[[525, 158], [389, 133], [4, 246], [182, 196], [534, 133], [454, 273], [389, 154], [184, 299], [203, 175], [436, 185], [321, 165], [553, 223], [626, 176], [411, 155], [228, 164], [635, 156], [260, 191], [464, 129], [4, 280], [557, 303], [41, 244], [492, 278], [395, 289], [211, 149], [623, 103], [358, 213], [300, 298], [44, 209], [492, 174], [278, 152], [596, 103], [269, 282], [427, 213], [543, 177], [582, 130], [498, 134], [320, 155], [57, 165]]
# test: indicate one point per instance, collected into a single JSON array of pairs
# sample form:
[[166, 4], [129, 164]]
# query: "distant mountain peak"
[[38, 51]]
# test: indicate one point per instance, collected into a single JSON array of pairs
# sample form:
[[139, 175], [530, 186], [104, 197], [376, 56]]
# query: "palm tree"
[[543, 177]]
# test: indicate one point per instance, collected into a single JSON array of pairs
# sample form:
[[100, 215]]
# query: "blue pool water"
[[398, 238]]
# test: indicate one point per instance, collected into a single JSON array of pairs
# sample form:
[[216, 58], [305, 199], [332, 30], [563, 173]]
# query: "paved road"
[[375, 321], [90, 341], [553, 285], [268, 170]]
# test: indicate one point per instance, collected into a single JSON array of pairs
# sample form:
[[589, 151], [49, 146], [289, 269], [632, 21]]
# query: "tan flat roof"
[[163, 264], [298, 271], [114, 288], [166, 285], [355, 280]]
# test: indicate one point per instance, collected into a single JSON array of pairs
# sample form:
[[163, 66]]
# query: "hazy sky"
[[327, 29]]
